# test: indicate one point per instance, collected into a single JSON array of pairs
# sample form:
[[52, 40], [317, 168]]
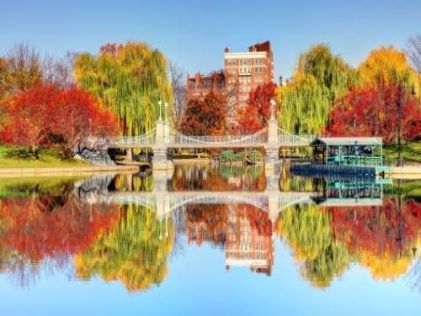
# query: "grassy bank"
[[411, 153], [18, 157], [409, 188]]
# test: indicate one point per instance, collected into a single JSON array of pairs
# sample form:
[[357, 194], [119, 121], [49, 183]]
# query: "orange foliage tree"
[[255, 115], [205, 115]]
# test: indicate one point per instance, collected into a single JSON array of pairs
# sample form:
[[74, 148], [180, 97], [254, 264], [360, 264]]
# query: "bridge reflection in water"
[[126, 227], [244, 222]]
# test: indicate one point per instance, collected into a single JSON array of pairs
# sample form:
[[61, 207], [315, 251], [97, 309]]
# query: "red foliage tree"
[[48, 114], [378, 230], [40, 227], [374, 112], [205, 115], [26, 117], [79, 115], [255, 115]]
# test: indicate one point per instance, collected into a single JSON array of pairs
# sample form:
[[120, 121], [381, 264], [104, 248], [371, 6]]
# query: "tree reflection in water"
[[134, 251], [225, 178], [325, 240], [60, 226], [48, 228]]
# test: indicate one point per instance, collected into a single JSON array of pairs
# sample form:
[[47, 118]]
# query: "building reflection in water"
[[243, 231], [101, 227]]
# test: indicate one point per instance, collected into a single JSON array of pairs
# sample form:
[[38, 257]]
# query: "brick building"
[[244, 231], [249, 240], [243, 72], [200, 85]]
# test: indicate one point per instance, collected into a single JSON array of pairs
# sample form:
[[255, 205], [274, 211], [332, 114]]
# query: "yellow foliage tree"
[[386, 65], [386, 266]]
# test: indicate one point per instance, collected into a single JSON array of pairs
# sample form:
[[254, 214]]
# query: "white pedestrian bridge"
[[165, 203]]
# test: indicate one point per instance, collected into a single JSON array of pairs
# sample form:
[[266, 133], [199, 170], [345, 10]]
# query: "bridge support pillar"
[[162, 135], [273, 206], [129, 154], [160, 160], [272, 131], [129, 182], [162, 206], [272, 160]]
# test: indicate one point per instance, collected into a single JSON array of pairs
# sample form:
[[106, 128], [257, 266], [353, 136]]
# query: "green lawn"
[[411, 152], [18, 157]]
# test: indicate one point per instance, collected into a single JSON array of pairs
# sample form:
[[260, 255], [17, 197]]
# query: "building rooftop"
[[348, 141], [256, 50]]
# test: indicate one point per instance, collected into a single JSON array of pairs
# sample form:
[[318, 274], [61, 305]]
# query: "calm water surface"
[[210, 241]]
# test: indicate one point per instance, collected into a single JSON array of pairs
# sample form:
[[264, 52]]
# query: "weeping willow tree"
[[319, 79], [307, 230], [130, 79], [134, 252]]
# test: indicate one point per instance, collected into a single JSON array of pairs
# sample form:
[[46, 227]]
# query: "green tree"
[[319, 79], [130, 79]]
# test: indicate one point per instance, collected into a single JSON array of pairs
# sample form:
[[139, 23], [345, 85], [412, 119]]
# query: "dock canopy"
[[348, 141], [366, 151]]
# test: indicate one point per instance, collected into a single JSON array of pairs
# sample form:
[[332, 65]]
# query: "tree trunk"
[[34, 151], [67, 152], [399, 105]]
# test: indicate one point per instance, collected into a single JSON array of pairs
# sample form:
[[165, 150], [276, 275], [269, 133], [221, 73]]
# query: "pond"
[[210, 241]]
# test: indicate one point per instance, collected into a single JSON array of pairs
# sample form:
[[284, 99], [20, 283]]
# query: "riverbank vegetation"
[[379, 98], [124, 89], [48, 104], [251, 157], [20, 157], [411, 152], [130, 79]]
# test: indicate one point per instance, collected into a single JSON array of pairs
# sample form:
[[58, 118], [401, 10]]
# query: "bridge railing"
[[146, 139], [175, 137], [178, 138], [289, 138], [306, 139]]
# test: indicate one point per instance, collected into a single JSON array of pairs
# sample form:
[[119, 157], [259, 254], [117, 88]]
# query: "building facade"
[[243, 72], [200, 85]]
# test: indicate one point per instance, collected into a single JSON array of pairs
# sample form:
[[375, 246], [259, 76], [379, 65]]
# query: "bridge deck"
[[207, 145]]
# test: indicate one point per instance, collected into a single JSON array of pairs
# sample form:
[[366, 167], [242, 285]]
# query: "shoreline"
[[406, 172], [69, 171]]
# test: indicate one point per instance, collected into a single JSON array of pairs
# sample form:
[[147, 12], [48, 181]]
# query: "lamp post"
[[160, 104], [272, 108], [166, 111], [399, 127], [160, 114]]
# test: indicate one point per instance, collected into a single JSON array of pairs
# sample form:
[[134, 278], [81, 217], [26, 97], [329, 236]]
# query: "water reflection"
[[134, 251], [225, 178], [125, 227]]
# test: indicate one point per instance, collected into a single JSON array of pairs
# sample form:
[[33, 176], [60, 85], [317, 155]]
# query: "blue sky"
[[193, 33]]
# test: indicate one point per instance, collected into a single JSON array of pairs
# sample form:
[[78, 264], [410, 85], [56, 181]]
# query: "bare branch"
[[178, 88]]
